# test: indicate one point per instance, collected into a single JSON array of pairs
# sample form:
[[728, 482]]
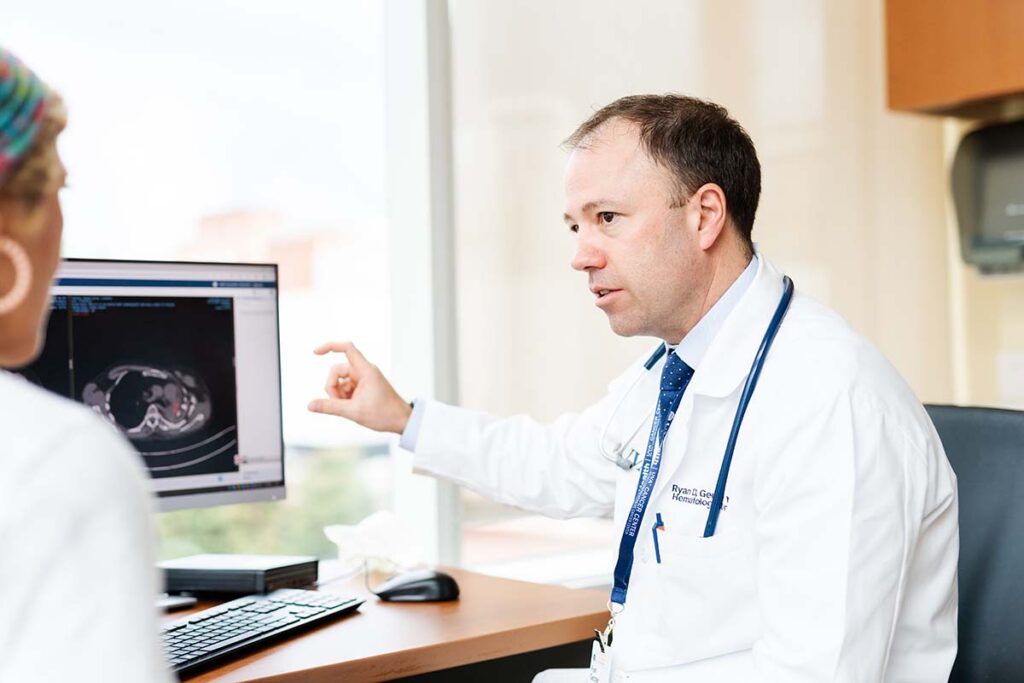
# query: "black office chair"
[[985, 446]]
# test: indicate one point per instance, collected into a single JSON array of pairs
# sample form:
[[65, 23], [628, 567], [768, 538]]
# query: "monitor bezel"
[[271, 491]]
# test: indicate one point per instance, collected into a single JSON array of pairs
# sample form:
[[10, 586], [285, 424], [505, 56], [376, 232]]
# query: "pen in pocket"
[[658, 526]]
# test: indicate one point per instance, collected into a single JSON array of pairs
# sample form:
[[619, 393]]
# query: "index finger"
[[348, 348]]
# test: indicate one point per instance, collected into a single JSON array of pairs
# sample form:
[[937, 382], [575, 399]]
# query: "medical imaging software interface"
[[181, 358]]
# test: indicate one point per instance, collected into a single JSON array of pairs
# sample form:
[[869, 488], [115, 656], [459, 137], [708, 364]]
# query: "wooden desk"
[[383, 641]]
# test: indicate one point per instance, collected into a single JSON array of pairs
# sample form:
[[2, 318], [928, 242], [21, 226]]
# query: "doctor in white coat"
[[835, 551]]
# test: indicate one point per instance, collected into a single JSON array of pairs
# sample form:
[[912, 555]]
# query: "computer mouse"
[[425, 585]]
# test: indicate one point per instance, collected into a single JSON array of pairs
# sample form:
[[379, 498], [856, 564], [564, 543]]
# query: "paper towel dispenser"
[[988, 192]]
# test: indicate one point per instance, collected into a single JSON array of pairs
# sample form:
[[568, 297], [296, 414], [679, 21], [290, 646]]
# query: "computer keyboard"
[[226, 630]]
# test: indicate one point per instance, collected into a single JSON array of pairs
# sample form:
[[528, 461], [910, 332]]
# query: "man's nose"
[[587, 256]]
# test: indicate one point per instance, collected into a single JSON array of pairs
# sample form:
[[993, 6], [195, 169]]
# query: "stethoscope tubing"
[[655, 357], [618, 458], [748, 391]]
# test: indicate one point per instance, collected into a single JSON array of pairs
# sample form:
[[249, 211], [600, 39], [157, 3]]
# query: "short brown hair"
[[697, 141]]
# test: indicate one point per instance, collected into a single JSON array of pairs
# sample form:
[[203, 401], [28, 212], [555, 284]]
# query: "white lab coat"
[[835, 557]]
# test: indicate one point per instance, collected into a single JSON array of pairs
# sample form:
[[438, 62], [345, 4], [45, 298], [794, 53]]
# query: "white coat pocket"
[[701, 576]]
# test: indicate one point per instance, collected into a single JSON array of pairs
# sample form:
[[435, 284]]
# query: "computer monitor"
[[184, 360]]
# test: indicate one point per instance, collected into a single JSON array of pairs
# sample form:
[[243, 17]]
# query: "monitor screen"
[[184, 360]]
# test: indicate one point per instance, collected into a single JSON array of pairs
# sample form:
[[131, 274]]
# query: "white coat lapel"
[[731, 353], [726, 363]]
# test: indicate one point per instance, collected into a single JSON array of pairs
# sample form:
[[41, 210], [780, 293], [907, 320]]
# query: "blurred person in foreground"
[[76, 540]]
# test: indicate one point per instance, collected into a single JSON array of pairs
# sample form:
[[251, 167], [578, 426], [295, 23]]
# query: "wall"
[[987, 314], [852, 204]]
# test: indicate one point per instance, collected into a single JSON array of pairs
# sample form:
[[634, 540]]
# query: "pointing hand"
[[359, 392]]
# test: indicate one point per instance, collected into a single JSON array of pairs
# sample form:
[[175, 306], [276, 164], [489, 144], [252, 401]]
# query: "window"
[[240, 131]]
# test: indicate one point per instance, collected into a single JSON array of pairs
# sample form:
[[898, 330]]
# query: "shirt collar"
[[696, 342]]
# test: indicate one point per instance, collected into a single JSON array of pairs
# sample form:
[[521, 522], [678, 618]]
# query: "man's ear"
[[713, 218]]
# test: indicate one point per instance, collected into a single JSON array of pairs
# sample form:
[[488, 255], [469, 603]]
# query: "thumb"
[[331, 406]]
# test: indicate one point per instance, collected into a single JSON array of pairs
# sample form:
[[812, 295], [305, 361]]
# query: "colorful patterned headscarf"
[[23, 100]]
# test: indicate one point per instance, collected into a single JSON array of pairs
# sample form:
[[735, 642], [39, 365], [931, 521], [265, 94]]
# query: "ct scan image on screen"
[[166, 380], [160, 369]]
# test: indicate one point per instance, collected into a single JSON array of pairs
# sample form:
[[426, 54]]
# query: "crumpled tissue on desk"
[[381, 541]]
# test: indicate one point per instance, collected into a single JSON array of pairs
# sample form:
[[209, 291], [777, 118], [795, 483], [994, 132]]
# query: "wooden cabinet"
[[952, 56]]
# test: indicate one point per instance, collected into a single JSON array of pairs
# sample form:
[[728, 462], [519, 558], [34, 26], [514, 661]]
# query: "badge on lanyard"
[[600, 659]]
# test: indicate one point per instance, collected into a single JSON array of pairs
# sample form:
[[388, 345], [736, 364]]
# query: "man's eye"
[[574, 228], [606, 216]]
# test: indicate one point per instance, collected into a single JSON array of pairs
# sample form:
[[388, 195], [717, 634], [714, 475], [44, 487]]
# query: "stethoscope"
[[627, 462]]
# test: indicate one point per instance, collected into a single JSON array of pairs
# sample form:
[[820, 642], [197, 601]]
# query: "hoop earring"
[[22, 275]]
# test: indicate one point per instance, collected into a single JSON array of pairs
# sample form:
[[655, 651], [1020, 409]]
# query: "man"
[[835, 551]]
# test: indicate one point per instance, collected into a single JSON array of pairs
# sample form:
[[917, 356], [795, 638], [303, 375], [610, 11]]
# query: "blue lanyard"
[[652, 458], [667, 406]]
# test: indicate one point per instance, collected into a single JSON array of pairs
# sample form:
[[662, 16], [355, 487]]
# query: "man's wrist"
[[406, 413]]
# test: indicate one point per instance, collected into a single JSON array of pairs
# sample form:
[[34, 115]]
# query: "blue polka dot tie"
[[674, 378]]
